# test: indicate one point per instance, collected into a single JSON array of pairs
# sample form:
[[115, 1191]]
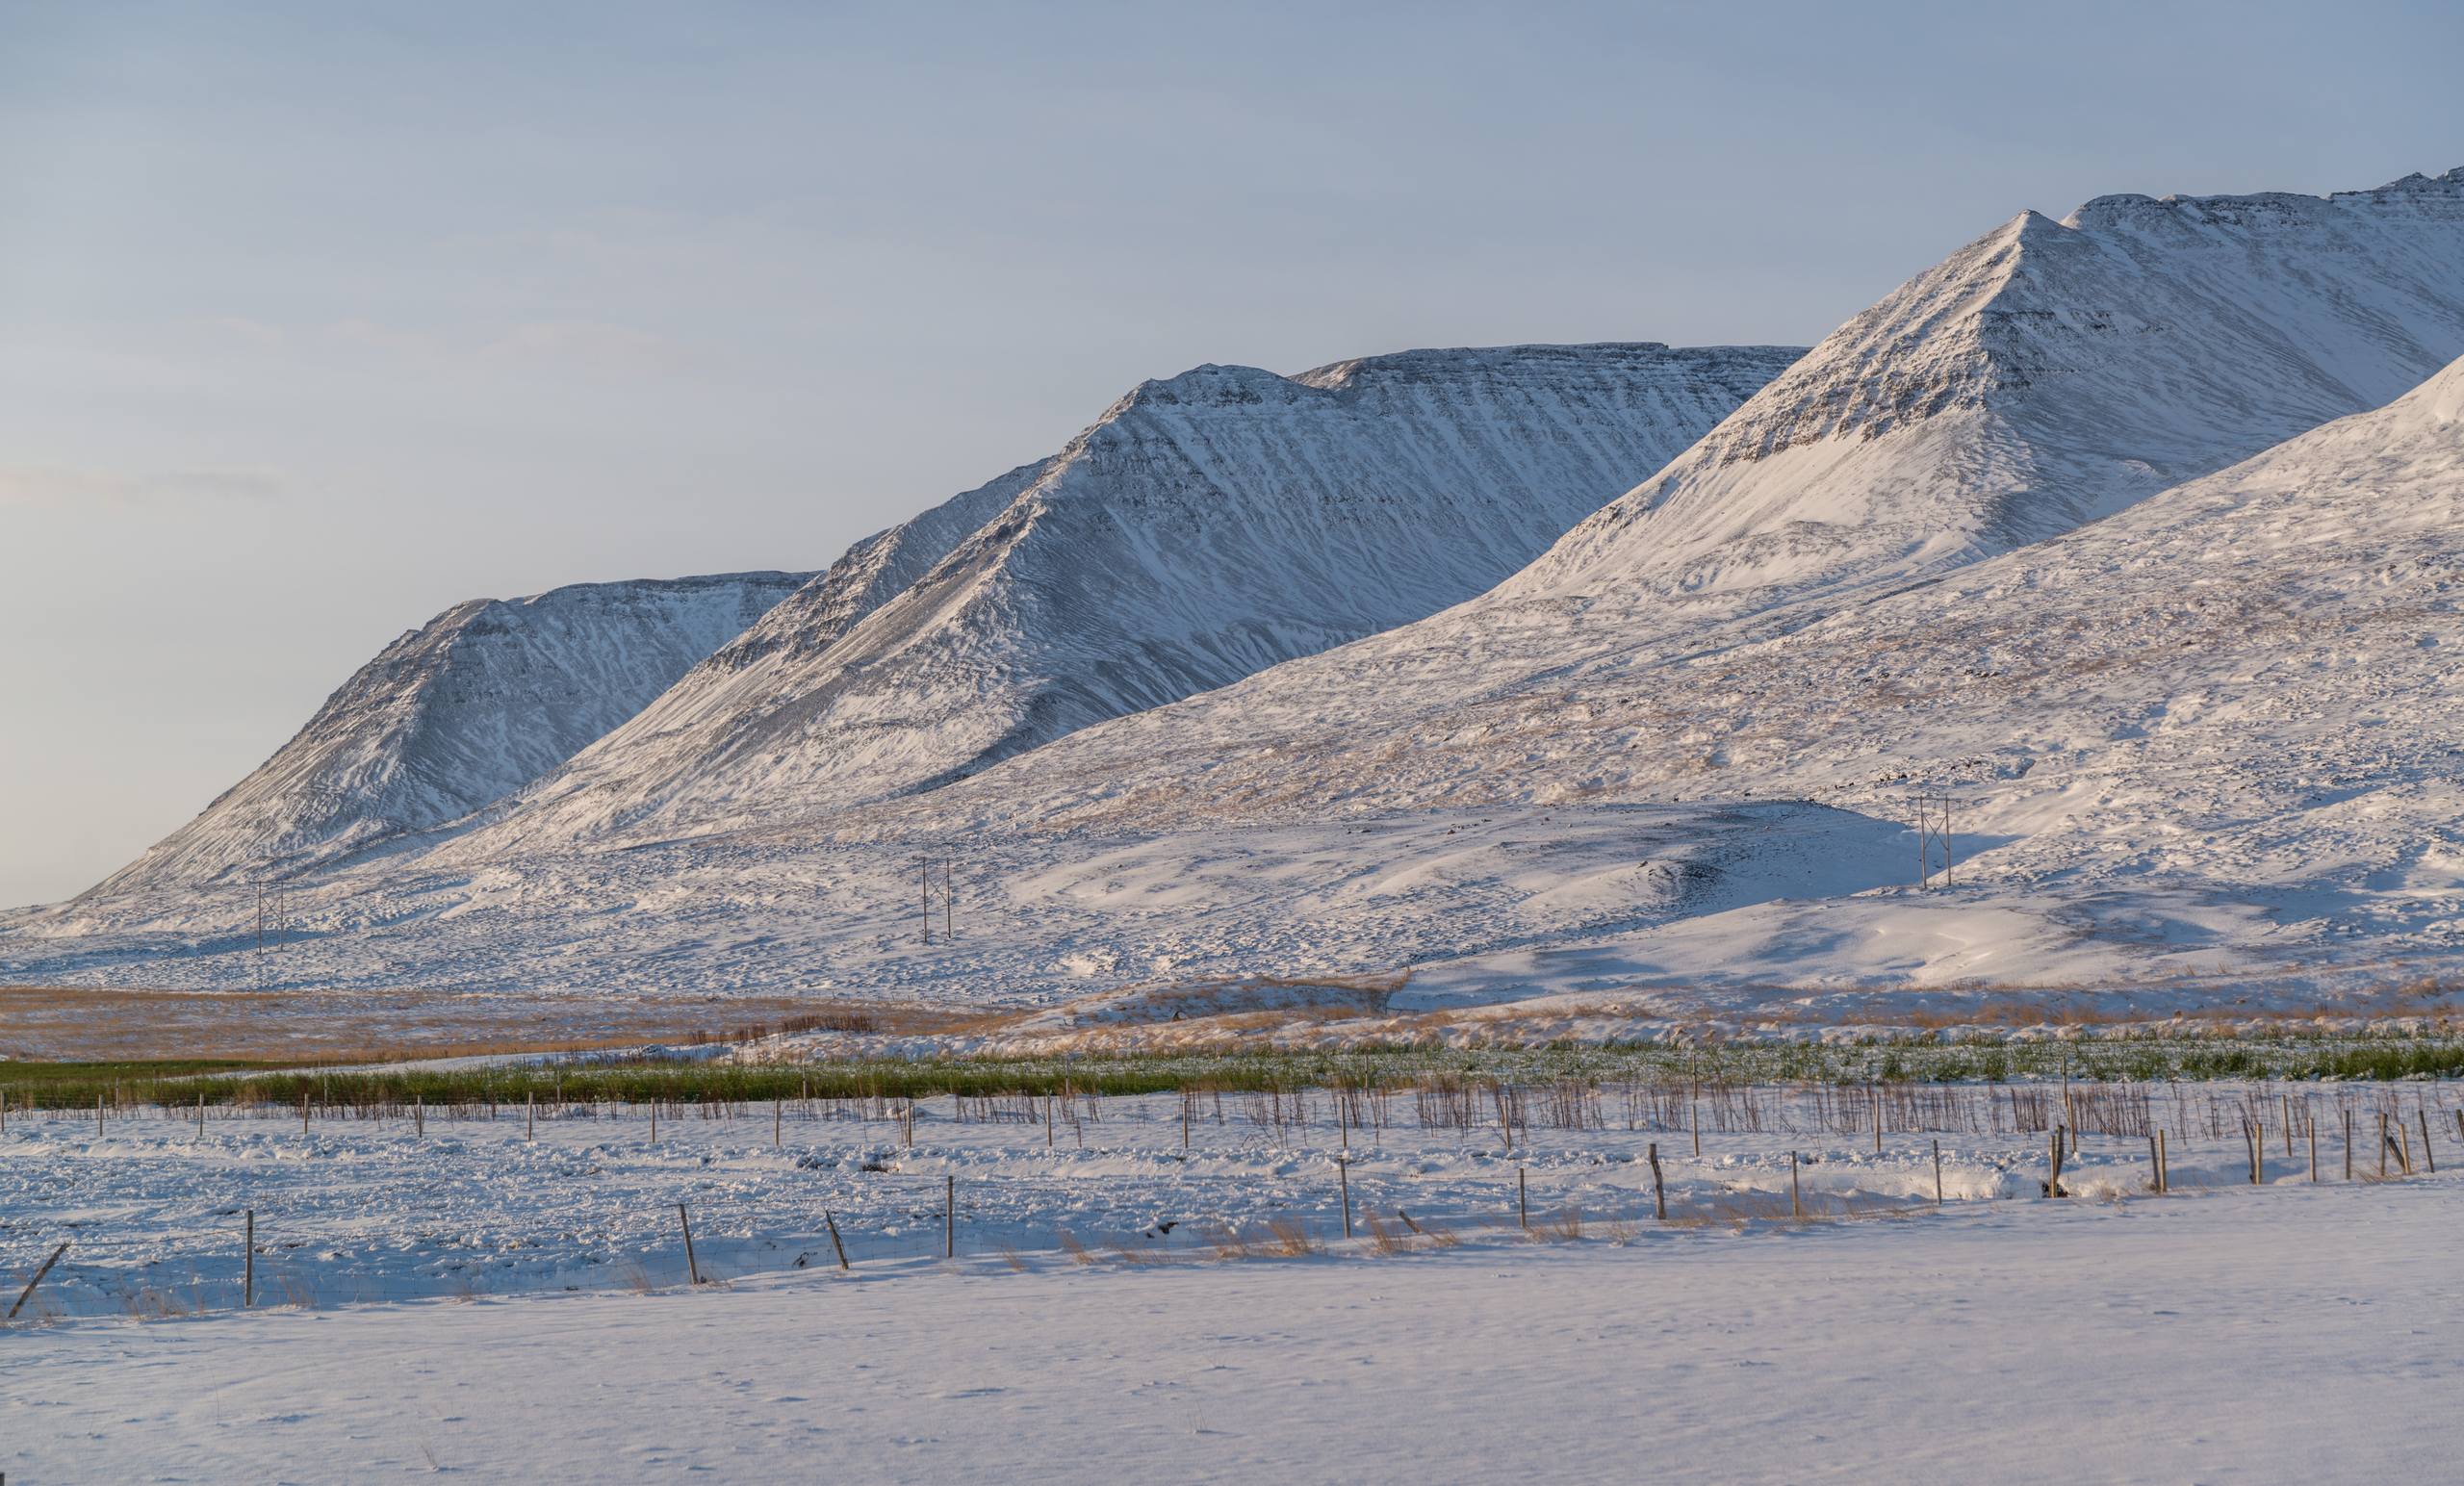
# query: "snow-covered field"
[[474, 1303]]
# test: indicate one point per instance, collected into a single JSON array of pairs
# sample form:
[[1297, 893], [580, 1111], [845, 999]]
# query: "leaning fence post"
[[1659, 1193], [2428, 1155], [834, 1237], [692, 1266], [36, 1280]]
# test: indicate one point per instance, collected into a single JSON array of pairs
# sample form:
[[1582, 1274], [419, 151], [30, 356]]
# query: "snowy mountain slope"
[[454, 714], [2042, 376], [2226, 716], [2203, 752], [2045, 376], [1205, 527]]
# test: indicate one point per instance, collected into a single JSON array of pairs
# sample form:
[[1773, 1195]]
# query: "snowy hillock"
[[455, 714], [1205, 527]]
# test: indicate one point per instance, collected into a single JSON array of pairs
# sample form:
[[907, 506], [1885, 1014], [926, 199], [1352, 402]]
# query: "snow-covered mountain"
[[2043, 376], [1205, 527], [455, 714]]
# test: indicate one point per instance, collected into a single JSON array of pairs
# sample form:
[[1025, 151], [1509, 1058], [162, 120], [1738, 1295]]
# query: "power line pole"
[[1933, 824]]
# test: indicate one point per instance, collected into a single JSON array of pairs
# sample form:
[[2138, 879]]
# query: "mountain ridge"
[[1206, 525]]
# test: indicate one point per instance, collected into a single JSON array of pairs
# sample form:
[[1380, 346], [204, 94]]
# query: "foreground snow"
[[2297, 1334]]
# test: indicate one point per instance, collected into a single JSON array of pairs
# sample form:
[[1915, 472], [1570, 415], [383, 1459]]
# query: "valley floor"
[[1604, 923], [2296, 1334]]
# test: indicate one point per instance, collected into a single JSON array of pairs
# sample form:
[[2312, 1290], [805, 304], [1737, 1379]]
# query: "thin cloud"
[[55, 486]]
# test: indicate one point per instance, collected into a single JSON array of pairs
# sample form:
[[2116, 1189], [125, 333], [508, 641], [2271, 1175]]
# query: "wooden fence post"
[[2428, 1155], [1522, 1198], [1342, 1177], [1796, 1202], [949, 1218], [834, 1237], [1659, 1191], [36, 1280], [1938, 1170], [249, 1262], [692, 1266], [529, 1115]]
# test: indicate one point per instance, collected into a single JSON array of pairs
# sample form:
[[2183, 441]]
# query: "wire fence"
[[166, 1210]]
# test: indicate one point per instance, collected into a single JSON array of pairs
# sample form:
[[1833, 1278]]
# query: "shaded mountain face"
[[2041, 379], [453, 715], [1205, 527]]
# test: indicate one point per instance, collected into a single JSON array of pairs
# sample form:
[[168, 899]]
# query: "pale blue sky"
[[316, 318]]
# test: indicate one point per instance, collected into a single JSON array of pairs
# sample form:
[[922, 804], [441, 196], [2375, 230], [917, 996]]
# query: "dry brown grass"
[[1566, 1227], [87, 1025], [1070, 1245], [1292, 1239]]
